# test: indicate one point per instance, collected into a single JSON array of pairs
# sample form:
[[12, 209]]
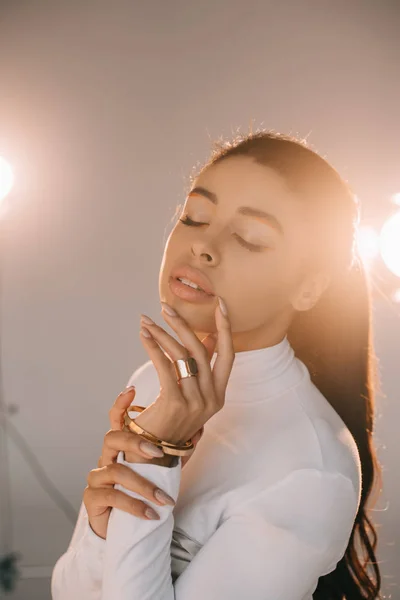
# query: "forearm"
[[137, 556]]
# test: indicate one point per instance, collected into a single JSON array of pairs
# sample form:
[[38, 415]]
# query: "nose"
[[205, 256]]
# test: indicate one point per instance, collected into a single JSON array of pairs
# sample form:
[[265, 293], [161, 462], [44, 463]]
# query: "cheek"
[[259, 293]]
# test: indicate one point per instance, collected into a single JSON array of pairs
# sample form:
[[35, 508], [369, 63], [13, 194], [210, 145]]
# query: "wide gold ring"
[[185, 367]]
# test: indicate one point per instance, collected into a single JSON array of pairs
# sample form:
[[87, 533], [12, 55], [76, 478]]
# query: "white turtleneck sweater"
[[265, 505]]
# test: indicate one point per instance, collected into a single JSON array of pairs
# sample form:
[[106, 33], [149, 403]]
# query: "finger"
[[162, 362], [118, 473], [117, 412], [195, 348], [97, 498], [170, 345], [126, 441], [187, 389], [225, 356]]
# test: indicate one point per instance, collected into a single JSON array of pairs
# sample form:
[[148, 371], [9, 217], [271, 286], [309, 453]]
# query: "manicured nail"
[[169, 310], [151, 514], [151, 449], [145, 332], [127, 390], [163, 497], [146, 319], [222, 305]]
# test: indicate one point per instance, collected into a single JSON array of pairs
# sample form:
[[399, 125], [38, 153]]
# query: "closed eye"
[[251, 247]]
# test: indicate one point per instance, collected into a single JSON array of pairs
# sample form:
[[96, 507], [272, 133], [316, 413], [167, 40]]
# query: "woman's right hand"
[[100, 496]]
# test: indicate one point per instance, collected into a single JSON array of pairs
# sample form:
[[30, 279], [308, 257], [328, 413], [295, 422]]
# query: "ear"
[[310, 291]]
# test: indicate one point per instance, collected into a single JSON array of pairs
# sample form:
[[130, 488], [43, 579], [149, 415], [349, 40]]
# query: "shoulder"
[[145, 379], [317, 507], [337, 446]]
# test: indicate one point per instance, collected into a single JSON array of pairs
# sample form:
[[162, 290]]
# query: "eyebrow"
[[243, 210]]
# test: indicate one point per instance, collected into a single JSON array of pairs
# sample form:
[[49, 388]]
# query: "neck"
[[255, 339], [262, 373]]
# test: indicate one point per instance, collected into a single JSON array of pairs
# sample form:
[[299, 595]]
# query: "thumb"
[[118, 409]]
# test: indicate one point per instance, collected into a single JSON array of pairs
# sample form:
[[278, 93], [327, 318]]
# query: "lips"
[[194, 275]]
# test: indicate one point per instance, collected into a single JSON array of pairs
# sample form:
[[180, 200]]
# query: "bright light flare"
[[390, 243], [6, 178], [367, 242]]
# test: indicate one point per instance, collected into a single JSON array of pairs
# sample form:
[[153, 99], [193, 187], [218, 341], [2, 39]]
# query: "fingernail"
[[151, 449], [151, 514], [169, 310], [145, 332], [163, 497], [127, 390], [222, 305], [147, 320]]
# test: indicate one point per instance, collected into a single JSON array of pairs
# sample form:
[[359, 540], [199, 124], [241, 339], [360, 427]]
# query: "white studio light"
[[390, 243], [6, 178], [367, 242]]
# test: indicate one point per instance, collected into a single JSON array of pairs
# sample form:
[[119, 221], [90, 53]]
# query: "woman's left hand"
[[181, 409]]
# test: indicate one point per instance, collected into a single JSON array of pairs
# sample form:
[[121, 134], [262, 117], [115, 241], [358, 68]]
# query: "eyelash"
[[251, 247]]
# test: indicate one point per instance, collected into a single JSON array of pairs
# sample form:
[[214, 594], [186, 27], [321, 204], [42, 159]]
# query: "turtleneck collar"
[[262, 373]]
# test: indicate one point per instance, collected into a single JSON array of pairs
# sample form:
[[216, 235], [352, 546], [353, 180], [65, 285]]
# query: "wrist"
[[154, 421], [168, 460]]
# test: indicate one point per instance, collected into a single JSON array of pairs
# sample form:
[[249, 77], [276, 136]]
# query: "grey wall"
[[105, 108]]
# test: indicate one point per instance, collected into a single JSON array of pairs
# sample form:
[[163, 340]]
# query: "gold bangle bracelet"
[[176, 450]]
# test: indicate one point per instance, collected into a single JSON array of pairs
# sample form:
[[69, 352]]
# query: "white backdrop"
[[104, 110]]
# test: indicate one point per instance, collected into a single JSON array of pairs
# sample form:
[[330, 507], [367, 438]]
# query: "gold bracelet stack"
[[184, 449]]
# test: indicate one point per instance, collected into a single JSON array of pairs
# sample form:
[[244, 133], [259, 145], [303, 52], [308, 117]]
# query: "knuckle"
[[86, 498], [93, 476], [89, 478], [108, 436], [86, 495], [116, 469]]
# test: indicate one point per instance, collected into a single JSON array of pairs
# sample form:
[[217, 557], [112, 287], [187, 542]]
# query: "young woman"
[[273, 501]]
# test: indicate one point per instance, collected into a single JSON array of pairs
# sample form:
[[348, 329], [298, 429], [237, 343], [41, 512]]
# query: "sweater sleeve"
[[275, 545], [78, 573], [137, 560], [79, 570]]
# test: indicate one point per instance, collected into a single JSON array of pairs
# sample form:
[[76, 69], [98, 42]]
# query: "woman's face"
[[256, 263]]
